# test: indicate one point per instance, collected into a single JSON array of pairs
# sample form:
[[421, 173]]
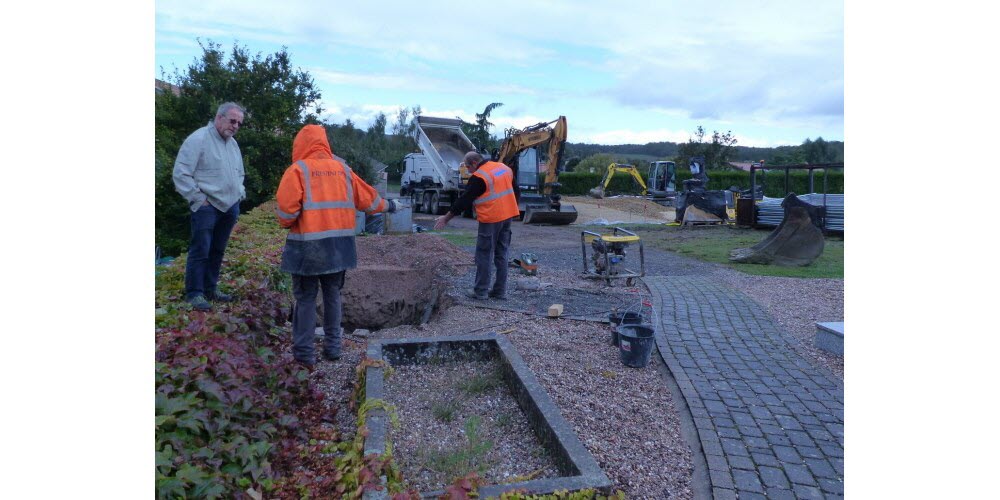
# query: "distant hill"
[[668, 150]]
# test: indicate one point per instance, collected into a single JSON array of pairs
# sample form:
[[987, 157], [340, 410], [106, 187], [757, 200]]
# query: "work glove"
[[391, 206]]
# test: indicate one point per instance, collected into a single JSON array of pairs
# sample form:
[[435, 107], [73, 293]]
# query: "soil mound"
[[400, 279]]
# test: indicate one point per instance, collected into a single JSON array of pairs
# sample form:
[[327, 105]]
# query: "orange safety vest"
[[498, 202], [318, 197]]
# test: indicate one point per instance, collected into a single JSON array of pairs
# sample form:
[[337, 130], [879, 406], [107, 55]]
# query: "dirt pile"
[[632, 209], [400, 279]]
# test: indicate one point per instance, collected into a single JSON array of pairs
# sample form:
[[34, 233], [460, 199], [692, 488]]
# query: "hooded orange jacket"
[[317, 199]]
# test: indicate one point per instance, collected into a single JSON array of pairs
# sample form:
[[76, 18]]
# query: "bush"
[[580, 183]]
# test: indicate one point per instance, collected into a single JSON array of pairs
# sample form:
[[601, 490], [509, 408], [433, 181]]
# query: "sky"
[[621, 72]]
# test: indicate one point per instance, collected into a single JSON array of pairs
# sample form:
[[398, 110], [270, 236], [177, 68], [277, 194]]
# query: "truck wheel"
[[436, 204], [427, 203], [415, 203]]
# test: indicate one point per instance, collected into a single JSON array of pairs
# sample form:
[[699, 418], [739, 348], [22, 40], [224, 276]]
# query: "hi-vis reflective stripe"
[[320, 235], [492, 196], [287, 216], [374, 205], [309, 204]]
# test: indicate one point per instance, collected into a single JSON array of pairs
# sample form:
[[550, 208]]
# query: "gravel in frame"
[[624, 416], [460, 416]]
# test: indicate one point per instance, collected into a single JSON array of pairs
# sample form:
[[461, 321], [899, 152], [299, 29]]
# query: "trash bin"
[[617, 319], [635, 344]]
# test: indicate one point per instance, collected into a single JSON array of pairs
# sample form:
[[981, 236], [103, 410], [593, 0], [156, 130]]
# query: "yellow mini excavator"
[[539, 207], [598, 192]]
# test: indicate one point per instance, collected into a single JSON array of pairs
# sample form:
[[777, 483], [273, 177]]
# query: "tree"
[[479, 132], [716, 152], [278, 101]]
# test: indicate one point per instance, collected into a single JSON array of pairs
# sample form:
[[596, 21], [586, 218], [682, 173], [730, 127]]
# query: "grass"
[[480, 384], [713, 244], [445, 410], [466, 458], [459, 239]]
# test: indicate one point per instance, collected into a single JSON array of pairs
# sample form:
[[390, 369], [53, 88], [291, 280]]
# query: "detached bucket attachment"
[[542, 214], [795, 242]]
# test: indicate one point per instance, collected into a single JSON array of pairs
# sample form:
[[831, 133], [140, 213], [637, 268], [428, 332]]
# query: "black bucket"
[[635, 344], [617, 319]]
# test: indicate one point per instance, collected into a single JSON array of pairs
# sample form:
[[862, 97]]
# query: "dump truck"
[[432, 178]]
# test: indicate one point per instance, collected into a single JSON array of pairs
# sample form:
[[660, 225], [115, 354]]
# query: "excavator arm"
[[545, 208], [598, 192]]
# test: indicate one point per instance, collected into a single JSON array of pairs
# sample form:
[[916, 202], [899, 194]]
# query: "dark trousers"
[[210, 229], [305, 289], [492, 243]]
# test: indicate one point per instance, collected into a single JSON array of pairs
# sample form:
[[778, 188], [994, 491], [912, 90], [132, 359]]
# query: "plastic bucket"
[[635, 344], [617, 319]]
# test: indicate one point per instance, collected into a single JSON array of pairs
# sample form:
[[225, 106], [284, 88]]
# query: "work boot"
[[476, 296], [199, 303], [498, 295], [218, 296], [330, 356]]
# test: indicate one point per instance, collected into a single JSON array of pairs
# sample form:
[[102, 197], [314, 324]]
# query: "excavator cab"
[[538, 205]]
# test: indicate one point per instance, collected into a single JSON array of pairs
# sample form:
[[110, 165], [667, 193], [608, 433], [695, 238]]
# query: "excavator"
[[543, 207], [598, 192]]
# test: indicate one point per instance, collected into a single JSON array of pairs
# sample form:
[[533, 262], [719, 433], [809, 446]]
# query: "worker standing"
[[209, 174], [317, 200], [491, 191]]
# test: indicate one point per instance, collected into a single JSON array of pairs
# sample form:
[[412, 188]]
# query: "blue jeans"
[[305, 288], [210, 229]]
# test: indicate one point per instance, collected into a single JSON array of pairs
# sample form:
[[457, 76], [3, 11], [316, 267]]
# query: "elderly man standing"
[[209, 174], [317, 199], [491, 191]]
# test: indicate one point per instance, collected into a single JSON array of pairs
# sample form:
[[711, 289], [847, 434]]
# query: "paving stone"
[[717, 462], [735, 447], [779, 409], [750, 430], [787, 454], [716, 406], [800, 438], [788, 423], [712, 448], [807, 492], [779, 494], [834, 486], [799, 474], [729, 432], [760, 412], [704, 423], [723, 494], [741, 463], [756, 442], [770, 428], [749, 495], [743, 418], [838, 465], [720, 478], [747, 481], [774, 477], [764, 458], [821, 468], [810, 452], [831, 450]]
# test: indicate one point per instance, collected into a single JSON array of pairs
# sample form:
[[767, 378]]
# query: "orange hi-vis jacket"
[[317, 200], [498, 202]]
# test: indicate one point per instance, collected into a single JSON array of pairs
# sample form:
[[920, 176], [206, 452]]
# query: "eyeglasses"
[[234, 121]]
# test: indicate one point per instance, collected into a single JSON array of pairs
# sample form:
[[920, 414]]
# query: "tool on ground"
[[528, 263], [608, 254]]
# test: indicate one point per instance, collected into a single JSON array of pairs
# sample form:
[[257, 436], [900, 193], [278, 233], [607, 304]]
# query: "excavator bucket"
[[795, 242], [597, 192], [543, 214]]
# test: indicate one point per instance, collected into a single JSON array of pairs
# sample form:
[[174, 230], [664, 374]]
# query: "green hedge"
[[580, 183]]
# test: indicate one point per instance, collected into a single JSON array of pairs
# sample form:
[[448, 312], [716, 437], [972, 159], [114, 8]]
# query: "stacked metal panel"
[[770, 213]]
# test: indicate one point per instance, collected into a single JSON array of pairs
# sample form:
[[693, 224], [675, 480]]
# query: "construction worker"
[[317, 200], [491, 191], [209, 174]]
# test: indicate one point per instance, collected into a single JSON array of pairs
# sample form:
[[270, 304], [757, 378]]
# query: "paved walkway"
[[769, 422]]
